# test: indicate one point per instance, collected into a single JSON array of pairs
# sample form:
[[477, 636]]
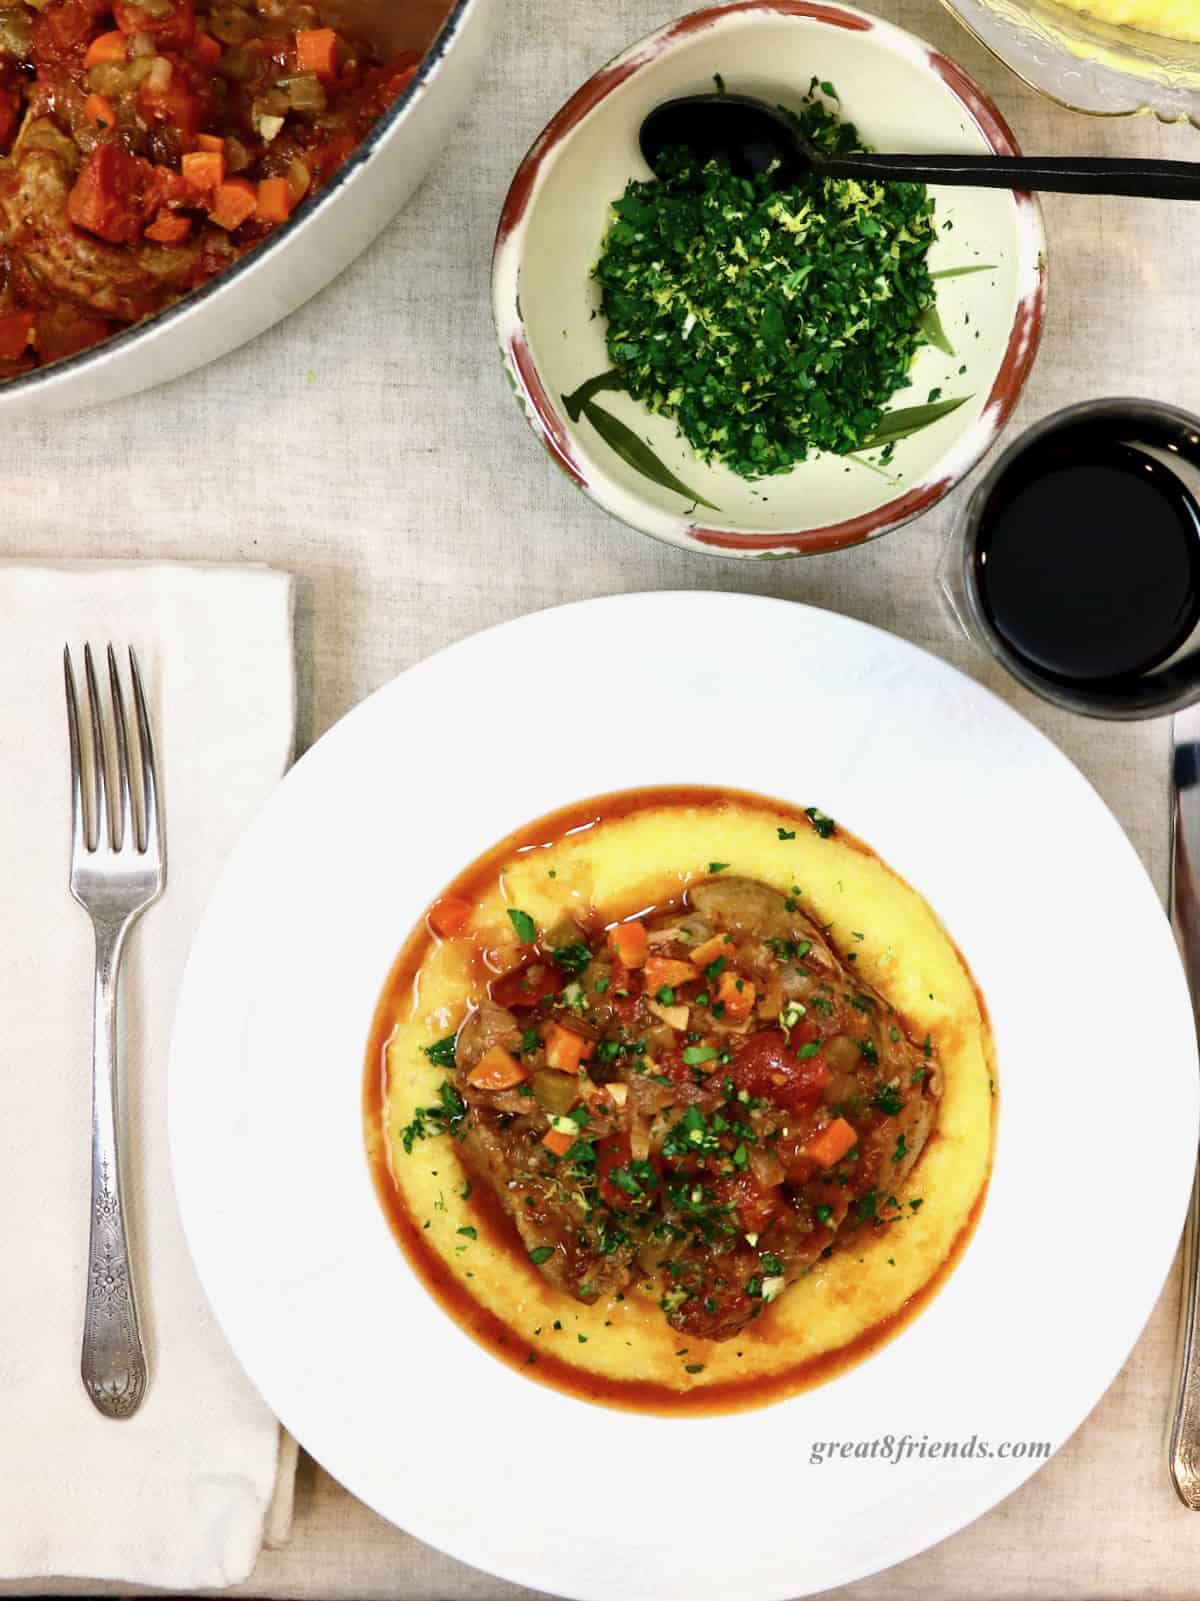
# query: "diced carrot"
[[233, 203], [565, 1049], [662, 970], [16, 330], [107, 48], [497, 1069], [169, 228], [449, 916], [99, 109], [831, 1143], [203, 169], [558, 1144], [274, 200], [206, 51], [629, 942], [210, 141], [738, 995], [718, 945], [316, 51]]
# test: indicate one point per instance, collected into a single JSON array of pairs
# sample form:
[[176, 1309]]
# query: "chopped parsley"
[[822, 825], [572, 958], [540, 1254], [524, 924], [447, 1117], [786, 833], [717, 867], [695, 1054], [766, 323], [887, 1099], [441, 1052], [468, 1232]]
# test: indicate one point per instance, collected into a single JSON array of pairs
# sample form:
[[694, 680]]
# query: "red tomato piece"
[[528, 985], [114, 195], [64, 30], [175, 31], [768, 1067]]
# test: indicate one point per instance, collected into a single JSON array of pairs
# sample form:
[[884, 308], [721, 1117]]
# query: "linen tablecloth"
[[371, 446]]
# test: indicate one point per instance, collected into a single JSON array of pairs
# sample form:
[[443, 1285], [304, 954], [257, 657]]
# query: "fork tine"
[[78, 820], [146, 744], [128, 836], [99, 759]]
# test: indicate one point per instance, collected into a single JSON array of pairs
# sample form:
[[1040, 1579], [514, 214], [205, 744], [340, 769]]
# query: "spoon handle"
[[1068, 175]]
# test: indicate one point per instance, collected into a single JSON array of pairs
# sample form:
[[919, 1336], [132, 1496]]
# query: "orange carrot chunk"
[[233, 203], [99, 109], [662, 970], [449, 916], [497, 1069], [831, 1143], [316, 51], [108, 48], [628, 941], [274, 200], [203, 169], [169, 228], [565, 1049], [737, 995], [211, 142], [718, 945], [558, 1144]]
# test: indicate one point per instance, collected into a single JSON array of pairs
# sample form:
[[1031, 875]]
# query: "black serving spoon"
[[748, 135]]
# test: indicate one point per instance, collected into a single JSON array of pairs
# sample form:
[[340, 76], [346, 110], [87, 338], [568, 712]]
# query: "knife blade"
[[1184, 1443]]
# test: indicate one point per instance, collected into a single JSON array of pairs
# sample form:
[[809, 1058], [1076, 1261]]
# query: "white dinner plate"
[[1027, 869]]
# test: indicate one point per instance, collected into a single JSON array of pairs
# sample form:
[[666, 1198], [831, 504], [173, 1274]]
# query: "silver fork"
[[116, 872]]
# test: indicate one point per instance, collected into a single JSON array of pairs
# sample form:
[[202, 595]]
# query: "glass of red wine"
[[1076, 560]]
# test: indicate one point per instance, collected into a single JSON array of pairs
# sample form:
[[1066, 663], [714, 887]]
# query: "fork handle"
[[113, 1363]]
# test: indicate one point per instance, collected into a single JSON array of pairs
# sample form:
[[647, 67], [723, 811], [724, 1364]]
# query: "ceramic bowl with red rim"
[[988, 263]]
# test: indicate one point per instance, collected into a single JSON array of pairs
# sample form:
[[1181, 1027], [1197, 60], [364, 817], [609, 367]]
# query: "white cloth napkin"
[[185, 1493]]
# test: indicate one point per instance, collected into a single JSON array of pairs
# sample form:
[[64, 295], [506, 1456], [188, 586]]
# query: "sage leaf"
[[635, 453], [906, 420], [930, 325], [962, 272], [578, 399]]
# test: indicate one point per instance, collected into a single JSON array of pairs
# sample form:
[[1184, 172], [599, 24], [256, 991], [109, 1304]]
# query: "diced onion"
[[142, 44], [304, 91], [160, 74], [299, 178], [267, 127]]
